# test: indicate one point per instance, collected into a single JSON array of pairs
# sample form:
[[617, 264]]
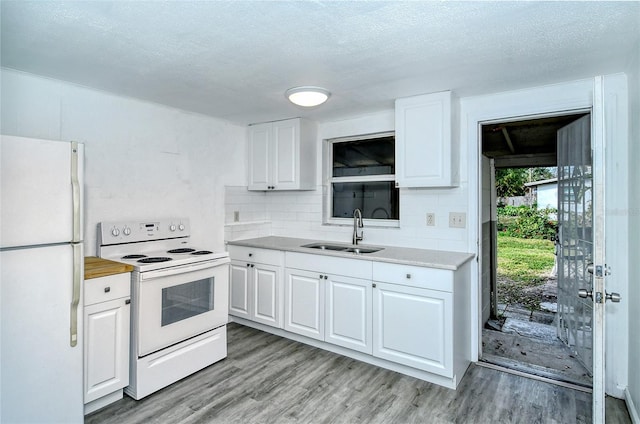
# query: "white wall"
[[547, 196], [633, 299], [142, 160], [299, 213]]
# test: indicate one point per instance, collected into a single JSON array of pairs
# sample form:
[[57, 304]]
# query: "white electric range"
[[179, 298]]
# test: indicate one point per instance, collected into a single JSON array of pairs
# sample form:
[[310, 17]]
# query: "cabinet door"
[[423, 141], [239, 289], [348, 313], [266, 295], [304, 303], [260, 156], [414, 327], [286, 146], [106, 348]]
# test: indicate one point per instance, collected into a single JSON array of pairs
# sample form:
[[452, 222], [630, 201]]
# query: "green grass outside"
[[524, 260], [523, 264]]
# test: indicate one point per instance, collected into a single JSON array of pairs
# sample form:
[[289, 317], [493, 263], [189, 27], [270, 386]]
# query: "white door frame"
[[554, 99]]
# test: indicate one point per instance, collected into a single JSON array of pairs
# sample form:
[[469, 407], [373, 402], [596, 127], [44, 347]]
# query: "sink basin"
[[324, 246], [360, 250], [339, 248]]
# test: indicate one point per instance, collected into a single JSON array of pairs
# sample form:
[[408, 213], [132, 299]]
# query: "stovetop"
[[151, 245], [158, 259]]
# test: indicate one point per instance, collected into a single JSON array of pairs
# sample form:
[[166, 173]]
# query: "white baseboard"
[[633, 411]]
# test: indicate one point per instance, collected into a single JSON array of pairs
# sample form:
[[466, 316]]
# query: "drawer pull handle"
[[128, 301], [250, 254], [408, 275], [107, 289]]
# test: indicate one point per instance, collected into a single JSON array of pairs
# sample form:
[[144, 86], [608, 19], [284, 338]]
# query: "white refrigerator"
[[41, 274]]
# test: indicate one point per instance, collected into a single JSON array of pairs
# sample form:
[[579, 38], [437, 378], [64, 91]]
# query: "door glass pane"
[[364, 157], [187, 300], [376, 200]]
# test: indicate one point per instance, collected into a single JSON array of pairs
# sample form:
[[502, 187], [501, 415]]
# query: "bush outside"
[[527, 222]]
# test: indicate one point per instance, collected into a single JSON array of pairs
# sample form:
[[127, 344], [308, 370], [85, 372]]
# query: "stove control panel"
[[118, 232]]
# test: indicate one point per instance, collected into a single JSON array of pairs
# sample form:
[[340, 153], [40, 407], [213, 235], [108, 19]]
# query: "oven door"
[[178, 303]]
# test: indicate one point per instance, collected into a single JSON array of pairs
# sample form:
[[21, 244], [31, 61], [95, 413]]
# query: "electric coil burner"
[[202, 252], [182, 250], [133, 256], [179, 299], [153, 260]]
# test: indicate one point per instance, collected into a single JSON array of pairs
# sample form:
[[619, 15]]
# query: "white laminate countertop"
[[440, 259]]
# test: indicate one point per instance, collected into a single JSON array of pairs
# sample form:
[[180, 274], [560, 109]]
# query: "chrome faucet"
[[357, 223]]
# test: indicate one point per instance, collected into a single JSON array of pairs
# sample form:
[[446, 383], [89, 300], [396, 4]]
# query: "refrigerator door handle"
[[75, 300], [76, 193]]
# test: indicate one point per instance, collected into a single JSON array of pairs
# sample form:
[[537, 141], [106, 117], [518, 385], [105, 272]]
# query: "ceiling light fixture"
[[307, 96]]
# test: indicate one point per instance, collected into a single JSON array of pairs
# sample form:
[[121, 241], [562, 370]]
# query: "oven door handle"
[[181, 269]]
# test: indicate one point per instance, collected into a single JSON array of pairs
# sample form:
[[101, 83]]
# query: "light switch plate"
[[457, 219]]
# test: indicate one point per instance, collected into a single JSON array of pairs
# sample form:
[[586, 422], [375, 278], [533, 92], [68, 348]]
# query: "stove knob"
[[181, 227], [172, 227], [115, 232], [126, 231]]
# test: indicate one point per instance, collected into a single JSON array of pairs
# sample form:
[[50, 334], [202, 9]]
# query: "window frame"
[[330, 179]]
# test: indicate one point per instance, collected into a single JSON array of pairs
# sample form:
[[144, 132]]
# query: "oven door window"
[[187, 300]]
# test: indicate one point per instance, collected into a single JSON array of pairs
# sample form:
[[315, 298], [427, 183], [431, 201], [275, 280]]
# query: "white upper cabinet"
[[282, 155], [425, 148]]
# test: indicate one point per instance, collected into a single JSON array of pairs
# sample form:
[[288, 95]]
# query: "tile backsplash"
[[300, 214]]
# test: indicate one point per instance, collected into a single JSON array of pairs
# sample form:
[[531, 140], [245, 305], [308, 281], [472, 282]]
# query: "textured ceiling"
[[235, 59]]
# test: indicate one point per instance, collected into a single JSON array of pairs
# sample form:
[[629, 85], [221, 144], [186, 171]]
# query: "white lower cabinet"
[[332, 308], [304, 303], [239, 296], [107, 348], [348, 313], [106, 339], [414, 327], [412, 319], [255, 288], [323, 303]]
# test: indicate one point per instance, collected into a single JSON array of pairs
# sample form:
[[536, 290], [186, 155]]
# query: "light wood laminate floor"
[[269, 379]]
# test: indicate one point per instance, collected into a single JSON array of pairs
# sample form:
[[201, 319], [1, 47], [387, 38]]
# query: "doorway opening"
[[525, 325]]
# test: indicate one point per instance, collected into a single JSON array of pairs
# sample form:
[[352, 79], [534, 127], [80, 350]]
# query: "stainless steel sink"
[[361, 250], [339, 248]]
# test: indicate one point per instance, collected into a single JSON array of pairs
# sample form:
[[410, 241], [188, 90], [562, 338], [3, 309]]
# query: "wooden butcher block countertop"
[[98, 267]]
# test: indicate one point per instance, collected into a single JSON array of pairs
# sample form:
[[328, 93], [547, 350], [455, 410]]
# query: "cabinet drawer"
[[107, 288], [252, 254], [413, 276], [355, 268]]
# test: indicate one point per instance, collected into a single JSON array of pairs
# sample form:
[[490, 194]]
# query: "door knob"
[[614, 297], [584, 293], [599, 270]]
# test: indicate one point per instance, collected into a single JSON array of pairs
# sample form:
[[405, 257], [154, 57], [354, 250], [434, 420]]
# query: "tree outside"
[[510, 181]]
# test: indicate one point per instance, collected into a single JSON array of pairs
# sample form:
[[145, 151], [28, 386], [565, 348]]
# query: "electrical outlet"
[[431, 219], [457, 219], [236, 216]]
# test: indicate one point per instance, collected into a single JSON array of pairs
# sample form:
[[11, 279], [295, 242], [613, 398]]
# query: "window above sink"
[[360, 173]]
